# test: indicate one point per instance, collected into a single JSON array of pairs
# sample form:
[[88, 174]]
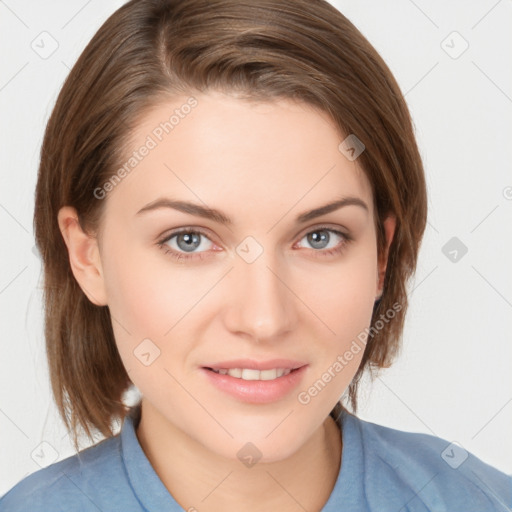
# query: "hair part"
[[149, 51]]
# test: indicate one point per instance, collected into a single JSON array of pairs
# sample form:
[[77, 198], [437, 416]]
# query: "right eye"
[[183, 242]]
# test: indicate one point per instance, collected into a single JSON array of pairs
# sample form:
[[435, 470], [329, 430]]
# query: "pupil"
[[191, 241], [317, 240]]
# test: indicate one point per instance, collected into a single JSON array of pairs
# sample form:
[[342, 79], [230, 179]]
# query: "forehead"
[[221, 149]]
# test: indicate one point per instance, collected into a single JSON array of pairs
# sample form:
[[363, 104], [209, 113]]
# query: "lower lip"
[[257, 391]]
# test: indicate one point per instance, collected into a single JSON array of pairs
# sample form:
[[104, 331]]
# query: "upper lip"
[[251, 364]]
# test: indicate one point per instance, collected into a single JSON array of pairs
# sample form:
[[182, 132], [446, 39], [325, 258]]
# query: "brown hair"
[[149, 50]]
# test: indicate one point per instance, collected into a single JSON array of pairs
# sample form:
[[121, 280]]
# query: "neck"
[[200, 479]]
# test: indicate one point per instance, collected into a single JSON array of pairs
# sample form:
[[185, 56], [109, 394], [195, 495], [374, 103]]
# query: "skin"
[[262, 164]]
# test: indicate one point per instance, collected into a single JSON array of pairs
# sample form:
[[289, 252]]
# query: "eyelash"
[[183, 256]]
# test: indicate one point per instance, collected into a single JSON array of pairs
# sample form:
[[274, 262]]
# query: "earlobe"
[[389, 228], [84, 256]]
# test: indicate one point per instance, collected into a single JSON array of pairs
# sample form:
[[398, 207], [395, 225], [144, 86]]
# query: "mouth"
[[251, 374], [256, 382], [247, 369]]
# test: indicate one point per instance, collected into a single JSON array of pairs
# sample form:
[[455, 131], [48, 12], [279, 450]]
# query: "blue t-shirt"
[[382, 470]]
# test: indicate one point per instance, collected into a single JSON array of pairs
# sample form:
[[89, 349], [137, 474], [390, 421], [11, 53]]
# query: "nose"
[[260, 302]]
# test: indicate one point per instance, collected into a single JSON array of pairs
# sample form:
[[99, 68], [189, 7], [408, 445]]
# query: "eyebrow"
[[222, 218]]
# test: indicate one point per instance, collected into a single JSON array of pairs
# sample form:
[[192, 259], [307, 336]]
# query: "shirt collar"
[[153, 495], [146, 484], [348, 492]]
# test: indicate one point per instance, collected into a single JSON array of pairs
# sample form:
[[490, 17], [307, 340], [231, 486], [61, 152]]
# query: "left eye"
[[186, 241], [182, 245], [320, 236]]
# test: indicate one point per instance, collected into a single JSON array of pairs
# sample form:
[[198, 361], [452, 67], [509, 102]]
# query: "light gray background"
[[453, 378]]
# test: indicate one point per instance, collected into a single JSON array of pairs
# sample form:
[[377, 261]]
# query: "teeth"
[[269, 374], [249, 374]]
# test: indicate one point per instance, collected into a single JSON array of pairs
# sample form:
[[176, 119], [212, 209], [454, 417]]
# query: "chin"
[[271, 440]]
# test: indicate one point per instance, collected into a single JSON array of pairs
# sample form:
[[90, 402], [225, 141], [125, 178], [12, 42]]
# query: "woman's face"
[[272, 283]]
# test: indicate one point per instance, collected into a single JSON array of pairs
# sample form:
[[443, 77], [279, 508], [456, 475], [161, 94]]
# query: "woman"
[[229, 205]]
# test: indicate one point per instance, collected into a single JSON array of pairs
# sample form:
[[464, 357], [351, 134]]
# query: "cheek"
[[147, 295], [343, 294], [144, 307], [344, 299], [152, 302], [354, 306]]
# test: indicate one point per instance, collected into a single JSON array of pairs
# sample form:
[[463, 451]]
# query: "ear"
[[84, 256], [389, 228]]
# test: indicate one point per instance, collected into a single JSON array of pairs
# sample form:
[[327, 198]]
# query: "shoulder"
[[431, 470], [75, 483]]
